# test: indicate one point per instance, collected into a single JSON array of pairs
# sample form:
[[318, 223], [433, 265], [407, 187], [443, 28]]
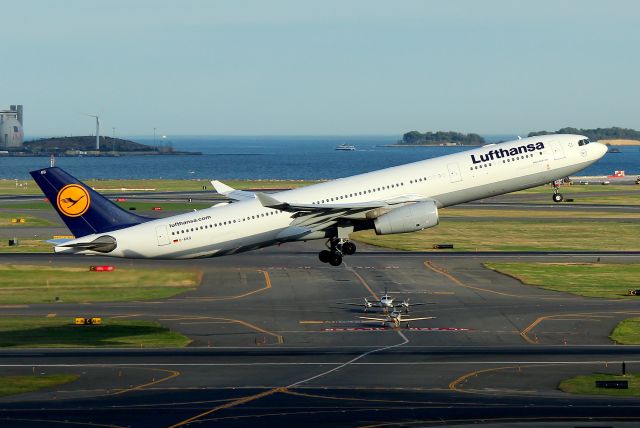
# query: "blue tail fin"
[[83, 210]]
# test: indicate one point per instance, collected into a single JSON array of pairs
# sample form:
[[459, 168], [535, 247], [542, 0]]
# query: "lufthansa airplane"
[[400, 199]]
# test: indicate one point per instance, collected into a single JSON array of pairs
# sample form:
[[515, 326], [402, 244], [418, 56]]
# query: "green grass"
[[26, 246], [515, 235], [604, 280], [140, 206], [5, 220], [11, 385], [30, 332], [578, 188], [20, 284], [538, 214], [28, 187], [585, 385], [166, 206], [627, 332]]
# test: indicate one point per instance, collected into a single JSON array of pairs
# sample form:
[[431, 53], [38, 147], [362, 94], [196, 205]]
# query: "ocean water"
[[271, 158]]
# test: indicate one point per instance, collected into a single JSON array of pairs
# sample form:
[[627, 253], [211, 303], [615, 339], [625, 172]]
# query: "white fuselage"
[[452, 179]]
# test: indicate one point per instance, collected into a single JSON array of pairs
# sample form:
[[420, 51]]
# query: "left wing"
[[376, 319], [231, 193], [269, 201], [309, 218]]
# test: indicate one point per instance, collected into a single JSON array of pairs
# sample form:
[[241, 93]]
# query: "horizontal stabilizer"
[[58, 241], [102, 244]]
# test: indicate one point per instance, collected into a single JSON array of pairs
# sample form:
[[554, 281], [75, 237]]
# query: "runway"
[[273, 344]]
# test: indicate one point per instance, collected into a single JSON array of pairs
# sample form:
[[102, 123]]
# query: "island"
[[86, 146], [440, 138], [613, 136]]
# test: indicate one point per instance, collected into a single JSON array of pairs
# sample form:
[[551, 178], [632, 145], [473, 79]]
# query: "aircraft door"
[[558, 153], [162, 235], [454, 173]]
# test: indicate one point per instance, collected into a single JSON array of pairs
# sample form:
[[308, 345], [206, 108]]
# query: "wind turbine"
[[97, 130]]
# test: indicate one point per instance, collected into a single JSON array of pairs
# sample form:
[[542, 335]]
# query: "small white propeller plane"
[[395, 318], [386, 302]]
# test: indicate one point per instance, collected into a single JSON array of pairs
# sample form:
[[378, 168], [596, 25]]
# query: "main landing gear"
[[557, 196], [337, 248]]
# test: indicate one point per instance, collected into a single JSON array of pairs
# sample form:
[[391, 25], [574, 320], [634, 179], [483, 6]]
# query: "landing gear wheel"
[[324, 256], [557, 197], [348, 248], [335, 259]]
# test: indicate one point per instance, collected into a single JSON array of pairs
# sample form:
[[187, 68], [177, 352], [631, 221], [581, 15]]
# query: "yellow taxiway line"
[[237, 402]]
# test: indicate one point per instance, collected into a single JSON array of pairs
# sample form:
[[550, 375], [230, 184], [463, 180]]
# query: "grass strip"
[[28, 187], [541, 214], [515, 235], [585, 385], [25, 246], [627, 332], [31, 332], [11, 385], [6, 220], [20, 284], [603, 280]]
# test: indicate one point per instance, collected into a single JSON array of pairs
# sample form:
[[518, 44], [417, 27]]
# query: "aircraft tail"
[[82, 209]]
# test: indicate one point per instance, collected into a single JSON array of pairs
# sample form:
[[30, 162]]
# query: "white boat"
[[346, 147]]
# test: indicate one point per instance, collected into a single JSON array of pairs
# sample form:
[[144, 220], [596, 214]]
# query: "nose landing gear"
[[337, 248]]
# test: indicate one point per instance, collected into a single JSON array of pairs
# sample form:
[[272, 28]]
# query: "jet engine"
[[409, 218]]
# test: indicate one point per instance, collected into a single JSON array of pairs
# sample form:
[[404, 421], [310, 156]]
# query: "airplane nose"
[[601, 149]]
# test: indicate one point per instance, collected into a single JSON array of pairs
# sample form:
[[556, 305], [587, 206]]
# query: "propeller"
[[367, 304], [405, 305]]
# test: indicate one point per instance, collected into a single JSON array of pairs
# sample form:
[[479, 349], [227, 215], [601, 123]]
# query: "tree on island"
[[441, 137], [613, 133]]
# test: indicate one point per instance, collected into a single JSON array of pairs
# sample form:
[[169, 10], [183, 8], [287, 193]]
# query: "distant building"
[[11, 131]]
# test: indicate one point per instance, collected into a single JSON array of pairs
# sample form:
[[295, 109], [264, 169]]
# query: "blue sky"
[[320, 68]]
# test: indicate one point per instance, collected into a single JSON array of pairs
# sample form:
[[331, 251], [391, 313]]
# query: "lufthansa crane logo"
[[73, 200]]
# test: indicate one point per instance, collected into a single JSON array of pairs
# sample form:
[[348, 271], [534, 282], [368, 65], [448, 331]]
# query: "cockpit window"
[[583, 142]]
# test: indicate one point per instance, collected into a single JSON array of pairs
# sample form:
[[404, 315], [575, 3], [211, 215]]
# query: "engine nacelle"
[[409, 218]]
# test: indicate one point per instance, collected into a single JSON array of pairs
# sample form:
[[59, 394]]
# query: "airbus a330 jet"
[[400, 199]]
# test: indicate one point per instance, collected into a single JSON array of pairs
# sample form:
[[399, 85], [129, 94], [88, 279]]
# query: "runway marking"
[[311, 322], [51, 315], [64, 422], [362, 281], [208, 320], [321, 363], [205, 322], [237, 402], [173, 373], [353, 360], [341, 329], [453, 385], [267, 280], [501, 421], [442, 271], [438, 269], [524, 333]]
